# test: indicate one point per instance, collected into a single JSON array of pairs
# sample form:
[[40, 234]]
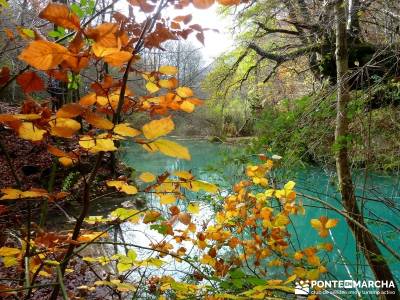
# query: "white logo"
[[302, 287]]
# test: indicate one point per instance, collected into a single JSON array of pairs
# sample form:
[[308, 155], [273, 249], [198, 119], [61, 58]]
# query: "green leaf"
[[162, 229], [237, 282], [54, 34], [76, 9]]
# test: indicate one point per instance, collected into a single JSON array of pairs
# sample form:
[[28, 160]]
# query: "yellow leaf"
[[89, 237], [152, 87], [197, 185], [12, 194], [169, 148], [43, 55], [129, 189], [97, 144], [168, 70], [290, 185], [290, 279], [184, 174], [193, 208], [167, 198], [28, 131], [315, 223], [64, 127], [123, 186], [7, 251], [147, 177], [281, 220], [168, 83], [184, 92], [331, 223], [187, 106], [157, 128], [10, 261], [124, 130]]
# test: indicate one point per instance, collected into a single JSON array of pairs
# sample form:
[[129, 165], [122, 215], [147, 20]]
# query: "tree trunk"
[[364, 240]]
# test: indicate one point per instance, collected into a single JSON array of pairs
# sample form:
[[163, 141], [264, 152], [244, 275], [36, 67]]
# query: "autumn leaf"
[[97, 121], [323, 224], [170, 84], [184, 92], [152, 87], [88, 100], [157, 128], [29, 131], [184, 174], [13, 194], [92, 236], [168, 70], [64, 127], [167, 198], [30, 82], [151, 216], [168, 148], [66, 159], [187, 106], [69, 110], [228, 2], [97, 144], [203, 4], [193, 208], [197, 185], [7, 251], [124, 129], [43, 55], [104, 34], [147, 177], [123, 186], [113, 56], [184, 218], [60, 15]]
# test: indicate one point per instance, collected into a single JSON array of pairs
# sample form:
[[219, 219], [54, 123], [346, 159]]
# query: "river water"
[[223, 164]]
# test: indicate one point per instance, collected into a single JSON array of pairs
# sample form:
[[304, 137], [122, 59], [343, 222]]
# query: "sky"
[[215, 43]]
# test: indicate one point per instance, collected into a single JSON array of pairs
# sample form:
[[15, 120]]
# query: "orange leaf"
[[89, 99], [229, 2], [104, 34], [43, 55], [60, 15], [98, 121], [118, 58], [203, 4], [69, 110], [184, 218], [30, 82]]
